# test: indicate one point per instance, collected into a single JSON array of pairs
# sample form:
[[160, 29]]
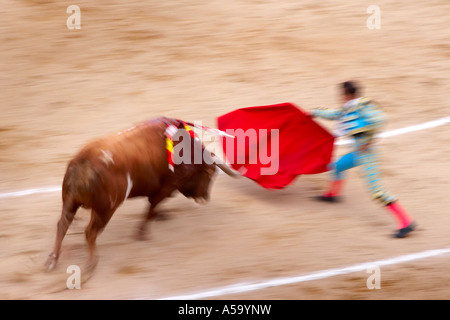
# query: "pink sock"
[[403, 218], [335, 189]]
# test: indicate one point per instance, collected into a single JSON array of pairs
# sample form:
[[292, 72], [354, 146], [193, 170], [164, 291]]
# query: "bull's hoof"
[[92, 264], [162, 216], [50, 264], [89, 269], [141, 235]]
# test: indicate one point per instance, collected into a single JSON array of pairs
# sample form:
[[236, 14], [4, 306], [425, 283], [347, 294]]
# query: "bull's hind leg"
[[99, 219], [67, 215]]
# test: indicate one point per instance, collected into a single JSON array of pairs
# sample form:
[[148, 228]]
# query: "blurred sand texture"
[[195, 60]]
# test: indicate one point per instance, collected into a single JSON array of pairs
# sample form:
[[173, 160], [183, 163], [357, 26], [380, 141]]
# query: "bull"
[[132, 163]]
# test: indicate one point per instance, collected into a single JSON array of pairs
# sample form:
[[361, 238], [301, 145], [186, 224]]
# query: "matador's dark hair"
[[350, 87]]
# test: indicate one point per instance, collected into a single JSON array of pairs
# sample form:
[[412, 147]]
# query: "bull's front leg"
[[154, 201], [142, 230]]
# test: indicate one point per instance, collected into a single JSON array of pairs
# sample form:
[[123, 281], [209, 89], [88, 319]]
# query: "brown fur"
[[97, 178]]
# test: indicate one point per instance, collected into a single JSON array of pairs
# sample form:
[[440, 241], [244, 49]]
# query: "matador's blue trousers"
[[367, 160]]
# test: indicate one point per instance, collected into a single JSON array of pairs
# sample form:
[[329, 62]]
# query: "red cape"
[[304, 147]]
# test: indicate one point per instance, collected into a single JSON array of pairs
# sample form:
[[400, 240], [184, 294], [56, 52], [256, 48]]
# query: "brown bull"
[[132, 163]]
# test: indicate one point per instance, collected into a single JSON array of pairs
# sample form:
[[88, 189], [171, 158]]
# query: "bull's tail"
[[79, 184]]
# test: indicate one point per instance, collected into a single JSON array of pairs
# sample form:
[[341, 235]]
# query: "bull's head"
[[195, 179]]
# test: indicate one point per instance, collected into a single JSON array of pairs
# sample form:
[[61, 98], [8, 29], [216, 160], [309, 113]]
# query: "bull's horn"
[[219, 163], [227, 169]]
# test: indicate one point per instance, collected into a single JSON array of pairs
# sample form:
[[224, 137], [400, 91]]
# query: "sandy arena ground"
[[196, 60]]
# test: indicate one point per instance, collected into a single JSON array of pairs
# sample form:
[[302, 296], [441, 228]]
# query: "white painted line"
[[248, 287], [417, 127], [396, 132], [28, 192]]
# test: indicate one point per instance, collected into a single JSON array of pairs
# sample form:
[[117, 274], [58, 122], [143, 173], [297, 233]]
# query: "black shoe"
[[324, 198], [403, 232]]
